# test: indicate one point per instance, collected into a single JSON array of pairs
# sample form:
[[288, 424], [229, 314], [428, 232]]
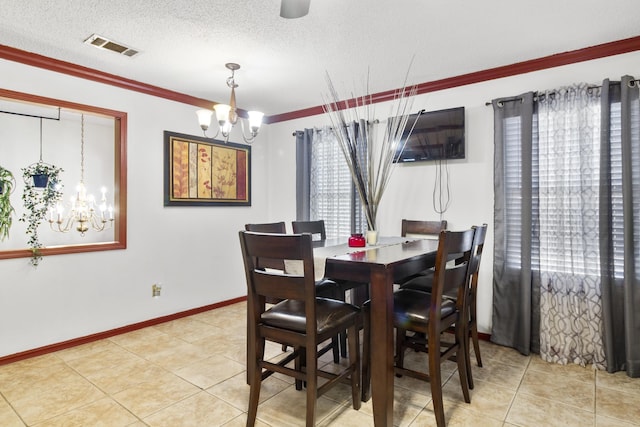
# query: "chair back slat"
[[269, 227], [416, 227], [316, 228], [278, 247], [277, 285]]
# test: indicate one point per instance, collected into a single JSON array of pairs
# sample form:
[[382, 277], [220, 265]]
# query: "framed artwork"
[[205, 172]]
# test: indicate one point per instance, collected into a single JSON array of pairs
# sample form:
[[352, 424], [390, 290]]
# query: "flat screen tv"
[[437, 135]]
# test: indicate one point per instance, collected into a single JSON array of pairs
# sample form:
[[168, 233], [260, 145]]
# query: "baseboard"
[[113, 332]]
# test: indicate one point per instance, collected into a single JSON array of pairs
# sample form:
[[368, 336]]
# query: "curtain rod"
[[631, 83]]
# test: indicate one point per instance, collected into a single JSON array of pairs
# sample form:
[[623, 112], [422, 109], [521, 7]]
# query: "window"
[[332, 195]]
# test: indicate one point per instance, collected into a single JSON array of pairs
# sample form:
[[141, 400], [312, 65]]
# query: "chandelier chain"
[[82, 148]]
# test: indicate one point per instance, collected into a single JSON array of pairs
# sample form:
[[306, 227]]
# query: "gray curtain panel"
[[304, 139], [620, 228], [515, 298], [517, 283]]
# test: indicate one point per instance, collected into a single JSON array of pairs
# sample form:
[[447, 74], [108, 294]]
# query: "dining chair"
[[302, 320], [428, 315], [359, 291], [326, 288], [423, 283]]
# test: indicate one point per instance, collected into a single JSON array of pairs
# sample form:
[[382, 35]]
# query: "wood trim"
[[120, 173], [580, 55], [113, 332], [44, 62], [603, 50]]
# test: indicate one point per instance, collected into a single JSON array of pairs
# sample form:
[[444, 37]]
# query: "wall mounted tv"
[[437, 135]]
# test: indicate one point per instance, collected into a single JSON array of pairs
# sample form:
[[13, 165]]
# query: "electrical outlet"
[[156, 289]]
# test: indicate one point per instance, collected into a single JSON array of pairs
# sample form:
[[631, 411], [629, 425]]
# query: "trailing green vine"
[[38, 201], [7, 185]]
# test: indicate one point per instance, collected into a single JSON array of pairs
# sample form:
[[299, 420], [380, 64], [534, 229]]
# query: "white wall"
[[194, 251], [410, 190]]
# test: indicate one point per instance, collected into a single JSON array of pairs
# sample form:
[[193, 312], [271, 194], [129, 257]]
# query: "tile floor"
[[191, 372]]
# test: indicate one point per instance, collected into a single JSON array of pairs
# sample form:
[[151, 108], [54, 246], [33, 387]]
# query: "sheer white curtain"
[[568, 256]]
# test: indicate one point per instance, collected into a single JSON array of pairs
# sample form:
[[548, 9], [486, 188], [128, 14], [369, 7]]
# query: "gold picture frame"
[[205, 172]]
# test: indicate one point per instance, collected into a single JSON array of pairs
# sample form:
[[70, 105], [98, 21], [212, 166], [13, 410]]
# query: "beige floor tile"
[[131, 380], [618, 405], [456, 415], [86, 350], [20, 376], [618, 381], [174, 354], [241, 421], [187, 329], [103, 413], [235, 390], [554, 386], [210, 371], [60, 391], [573, 371], [499, 373], [288, 408], [505, 355], [111, 356], [158, 393], [136, 337], [125, 375], [602, 421], [199, 410], [8, 417], [486, 398], [533, 411], [346, 416]]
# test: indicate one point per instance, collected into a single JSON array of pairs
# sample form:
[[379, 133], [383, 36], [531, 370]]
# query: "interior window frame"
[[120, 176]]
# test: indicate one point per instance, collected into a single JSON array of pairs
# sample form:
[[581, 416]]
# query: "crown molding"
[[556, 60]]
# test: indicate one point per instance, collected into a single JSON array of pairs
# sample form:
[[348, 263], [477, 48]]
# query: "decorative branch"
[[355, 128]]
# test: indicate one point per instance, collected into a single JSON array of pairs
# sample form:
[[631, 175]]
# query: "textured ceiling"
[[185, 44]]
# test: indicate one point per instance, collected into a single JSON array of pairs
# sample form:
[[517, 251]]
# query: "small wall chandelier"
[[227, 115], [85, 213]]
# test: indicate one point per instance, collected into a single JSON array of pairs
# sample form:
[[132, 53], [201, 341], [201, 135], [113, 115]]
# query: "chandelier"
[[227, 115], [85, 213]]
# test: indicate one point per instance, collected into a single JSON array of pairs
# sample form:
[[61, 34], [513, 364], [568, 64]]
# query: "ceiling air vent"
[[104, 43]]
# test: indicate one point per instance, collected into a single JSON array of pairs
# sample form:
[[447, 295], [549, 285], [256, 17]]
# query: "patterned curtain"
[[567, 225], [567, 202]]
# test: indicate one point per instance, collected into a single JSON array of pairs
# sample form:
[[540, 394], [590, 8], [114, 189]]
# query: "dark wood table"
[[381, 267]]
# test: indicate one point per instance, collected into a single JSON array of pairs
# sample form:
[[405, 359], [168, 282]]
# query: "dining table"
[[381, 265]]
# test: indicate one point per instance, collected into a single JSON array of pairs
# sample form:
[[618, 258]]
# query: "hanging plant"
[[7, 184], [38, 201]]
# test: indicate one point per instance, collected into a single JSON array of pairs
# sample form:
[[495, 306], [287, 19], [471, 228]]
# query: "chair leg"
[[354, 360], [255, 384], [476, 344], [312, 386], [435, 379], [464, 360], [335, 348], [298, 363], [401, 335], [366, 355], [467, 361]]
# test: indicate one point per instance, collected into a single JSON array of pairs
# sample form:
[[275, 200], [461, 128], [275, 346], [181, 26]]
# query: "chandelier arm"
[[250, 138]]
